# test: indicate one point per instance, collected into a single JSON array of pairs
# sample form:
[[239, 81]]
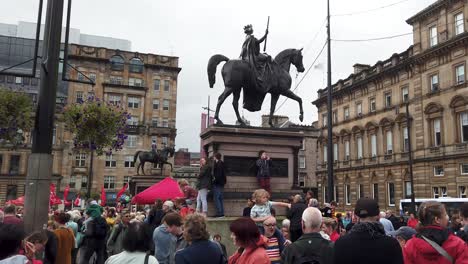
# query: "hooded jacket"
[[252, 255], [417, 250]]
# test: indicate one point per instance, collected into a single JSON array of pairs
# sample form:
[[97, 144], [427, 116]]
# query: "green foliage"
[[96, 125], [15, 116]]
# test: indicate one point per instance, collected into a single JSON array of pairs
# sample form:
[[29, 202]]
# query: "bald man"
[[311, 246]]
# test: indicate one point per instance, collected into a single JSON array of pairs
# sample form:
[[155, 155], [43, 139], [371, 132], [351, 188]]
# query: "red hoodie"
[[418, 251], [252, 255]]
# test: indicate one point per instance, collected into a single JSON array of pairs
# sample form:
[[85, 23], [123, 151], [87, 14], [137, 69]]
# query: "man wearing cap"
[[403, 234], [367, 242]]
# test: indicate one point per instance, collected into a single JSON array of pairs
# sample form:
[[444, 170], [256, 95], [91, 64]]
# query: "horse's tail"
[[212, 64], [136, 156]]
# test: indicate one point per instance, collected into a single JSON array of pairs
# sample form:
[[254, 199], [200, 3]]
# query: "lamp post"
[[330, 179]]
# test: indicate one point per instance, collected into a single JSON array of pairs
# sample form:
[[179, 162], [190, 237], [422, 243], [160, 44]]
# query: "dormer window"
[[117, 63]]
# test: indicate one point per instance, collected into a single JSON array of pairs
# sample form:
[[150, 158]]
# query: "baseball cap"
[[366, 207], [404, 232]]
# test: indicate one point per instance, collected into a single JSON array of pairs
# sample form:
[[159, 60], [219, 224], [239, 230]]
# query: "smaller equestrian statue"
[[159, 157]]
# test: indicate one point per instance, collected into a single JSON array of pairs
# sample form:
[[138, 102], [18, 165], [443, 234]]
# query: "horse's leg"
[[162, 167], [274, 100], [221, 98], [235, 104], [142, 163], [289, 94], [138, 168]]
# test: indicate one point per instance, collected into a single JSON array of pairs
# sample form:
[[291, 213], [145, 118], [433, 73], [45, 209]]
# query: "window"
[[346, 144], [167, 85], [133, 102], [360, 191], [109, 182], [72, 182], [434, 79], [129, 162], [407, 189], [110, 162], [114, 99], [433, 36], [439, 170], [79, 97], [464, 126], [388, 99], [133, 121], [131, 141], [359, 147], [127, 179], [460, 74], [26, 80], [347, 194], [459, 24], [14, 164], [346, 113], [115, 79], [373, 145], [80, 160], [84, 182], [391, 193], [154, 140], [324, 120], [462, 192], [54, 135], [2, 78], [335, 117], [359, 109], [164, 141], [325, 155], [12, 192], [335, 152], [375, 191], [155, 104], [166, 105], [117, 63], [165, 123], [135, 82], [156, 85], [463, 169], [136, 65], [18, 80], [405, 94], [405, 140], [439, 192], [437, 133], [10, 79], [92, 76], [154, 122], [389, 142], [302, 163], [372, 105]]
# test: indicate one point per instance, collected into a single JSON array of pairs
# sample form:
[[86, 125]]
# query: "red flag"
[[103, 196], [52, 189], [122, 191], [65, 193], [77, 200]]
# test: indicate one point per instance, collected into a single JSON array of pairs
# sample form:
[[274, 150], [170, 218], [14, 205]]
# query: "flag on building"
[[103, 196]]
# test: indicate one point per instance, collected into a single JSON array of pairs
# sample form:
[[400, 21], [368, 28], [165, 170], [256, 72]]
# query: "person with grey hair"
[[388, 226], [311, 247], [313, 203], [294, 214]]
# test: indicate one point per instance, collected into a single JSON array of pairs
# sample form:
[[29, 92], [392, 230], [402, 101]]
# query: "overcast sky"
[[195, 30]]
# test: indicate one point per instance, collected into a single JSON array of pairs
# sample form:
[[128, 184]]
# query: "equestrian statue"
[[257, 74], [154, 156]]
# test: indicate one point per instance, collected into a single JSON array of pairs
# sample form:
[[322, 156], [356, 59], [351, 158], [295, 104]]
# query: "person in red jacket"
[[433, 220], [412, 221], [252, 245]]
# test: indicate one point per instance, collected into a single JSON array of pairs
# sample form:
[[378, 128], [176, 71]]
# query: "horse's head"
[[296, 60], [170, 151]]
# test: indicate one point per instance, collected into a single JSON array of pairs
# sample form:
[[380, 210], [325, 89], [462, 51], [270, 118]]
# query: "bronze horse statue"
[[238, 74], [160, 158]]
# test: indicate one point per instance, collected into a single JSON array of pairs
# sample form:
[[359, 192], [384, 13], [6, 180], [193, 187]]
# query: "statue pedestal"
[[239, 147]]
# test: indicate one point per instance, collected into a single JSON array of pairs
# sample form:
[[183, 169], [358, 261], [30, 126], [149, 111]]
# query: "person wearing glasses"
[[275, 243]]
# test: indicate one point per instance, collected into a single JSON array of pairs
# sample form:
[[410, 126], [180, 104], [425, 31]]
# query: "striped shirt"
[[273, 250]]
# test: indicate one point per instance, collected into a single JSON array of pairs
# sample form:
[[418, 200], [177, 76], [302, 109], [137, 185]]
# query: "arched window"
[[117, 63], [136, 65]]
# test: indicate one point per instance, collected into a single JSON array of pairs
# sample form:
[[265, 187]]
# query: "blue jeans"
[[218, 199]]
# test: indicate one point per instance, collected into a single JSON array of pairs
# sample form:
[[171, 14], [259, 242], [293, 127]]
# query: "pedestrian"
[[339, 221], [275, 243], [455, 224], [11, 243], [155, 215], [309, 195], [434, 243], [251, 245], [136, 243], [395, 222], [262, 208], [246, 211], [111, 217], [327, 210], [285, 225], [295, 215], [463, 233], [189, 192], [203, 186], [65, 239], [117, 235], [330, 227], [39, 240], [388, 226], [313, 203], [347, 219], [217, 238], [165, 238], [264, 165], [10, 215], [311, 247], [367, 242], [219, 180], [403, 234], [196, 234], [95, 233]]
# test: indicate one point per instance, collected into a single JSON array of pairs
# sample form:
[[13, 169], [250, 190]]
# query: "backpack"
[[308, 258], [100, 228]]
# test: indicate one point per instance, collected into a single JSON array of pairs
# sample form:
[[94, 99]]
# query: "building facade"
[[370, 133]]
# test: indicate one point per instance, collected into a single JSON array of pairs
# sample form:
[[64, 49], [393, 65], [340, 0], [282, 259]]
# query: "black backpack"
[[100, 228]]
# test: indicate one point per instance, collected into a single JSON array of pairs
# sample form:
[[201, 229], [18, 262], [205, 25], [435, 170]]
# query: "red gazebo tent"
[[164, 190]]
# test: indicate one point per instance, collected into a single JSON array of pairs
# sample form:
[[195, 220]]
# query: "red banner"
[[77, 201], [103, 196], [65, 193], [122, 191]]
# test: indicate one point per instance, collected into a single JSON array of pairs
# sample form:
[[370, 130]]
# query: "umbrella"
[[164, 190], [19, 201]]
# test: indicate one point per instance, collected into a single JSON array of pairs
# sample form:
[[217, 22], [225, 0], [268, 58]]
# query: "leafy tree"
[[15, 116]]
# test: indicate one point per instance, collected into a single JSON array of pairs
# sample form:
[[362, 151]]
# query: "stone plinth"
[[239, 147]]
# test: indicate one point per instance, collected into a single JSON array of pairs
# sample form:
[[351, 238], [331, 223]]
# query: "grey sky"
[[195, 30]]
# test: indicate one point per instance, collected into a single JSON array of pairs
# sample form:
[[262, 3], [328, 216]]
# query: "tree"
[[15, 116]]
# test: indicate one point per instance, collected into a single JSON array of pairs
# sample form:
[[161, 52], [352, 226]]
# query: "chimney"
[[360, 67]]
